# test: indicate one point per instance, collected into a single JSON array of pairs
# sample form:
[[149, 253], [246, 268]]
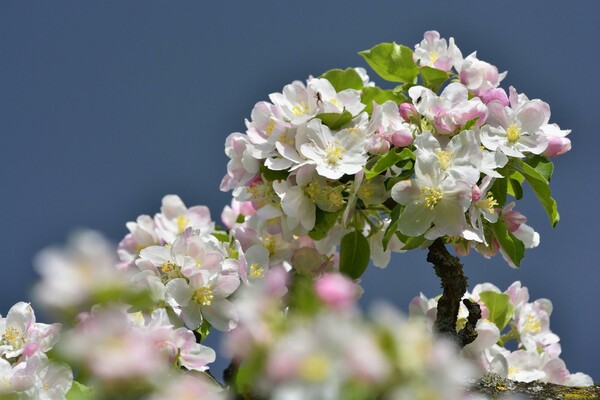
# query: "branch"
[[496, 387], [454, 284]]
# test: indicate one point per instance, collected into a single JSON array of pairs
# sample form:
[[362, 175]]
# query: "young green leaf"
[[334, 120], [542, 165], [513, 247], [393, 226], [392, 62], [79, 391], [540, 187], [500, 308], [387, 160], [433, 78], [270, 175], [380, 96], [354, 254], [324, 222], [344, 79]]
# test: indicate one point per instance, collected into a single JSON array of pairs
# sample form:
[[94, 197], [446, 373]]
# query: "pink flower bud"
[[475, 194], [556, 146], [401, 138], [408, 112], [496, 94], [336, 290]]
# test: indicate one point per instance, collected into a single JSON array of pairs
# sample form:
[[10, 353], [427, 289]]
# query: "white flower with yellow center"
[[175, 217], [205, 296], [334, 154], [437, 53], [516, 131], [430, 198]]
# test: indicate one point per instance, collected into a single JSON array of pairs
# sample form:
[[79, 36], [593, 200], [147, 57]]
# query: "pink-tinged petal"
[[172, 206], [532, 115], [557, 146], [197, 357], [20, 316], [179, 291], [225, 286], [156, 254], [222, 314]]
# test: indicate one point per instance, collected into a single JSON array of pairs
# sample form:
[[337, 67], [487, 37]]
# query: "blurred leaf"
[[513, 247], [79, 391], [501, 310]]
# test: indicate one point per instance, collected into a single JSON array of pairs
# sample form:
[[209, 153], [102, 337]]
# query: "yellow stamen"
[[169, 267], [203, 296], [269, 244], [513, 133], [256, 271], [182, 223], [432, 196], [532, 325], [445, 157], [335, 152], [300, 109], [270, 127], [488, 203], [433, 56]]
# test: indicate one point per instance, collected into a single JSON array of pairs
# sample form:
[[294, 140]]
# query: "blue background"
[[107, 106]]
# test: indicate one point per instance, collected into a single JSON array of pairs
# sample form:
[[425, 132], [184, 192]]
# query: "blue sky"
[[107, 106]]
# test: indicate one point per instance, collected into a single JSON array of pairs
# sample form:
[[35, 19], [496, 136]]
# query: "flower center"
[[269, 244], [182, 223], [300, 109], [513, 133], [532, 325], [446, 157], [12, 336], [432, 196], [335, 153], [488, 203], [169, 267], [203, 296], [433, 56], [256, 271], [270, 127]]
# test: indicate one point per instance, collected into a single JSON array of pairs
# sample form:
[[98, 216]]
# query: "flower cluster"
[[25, 370], [508, 317], [322, 347], [435, 157]]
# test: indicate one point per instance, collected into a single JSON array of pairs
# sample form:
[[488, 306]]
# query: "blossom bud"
[[376, 144], [307, 260], [408, 112], [401, 138], [556, 146], [336, 290], [497, 94]]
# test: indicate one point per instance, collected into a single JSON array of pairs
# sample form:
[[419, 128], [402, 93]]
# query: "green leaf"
[[354, 254], [469, 124], [513, 247], [302, 297], [499, 189], [204, 329], [249, 370], [501, 310], [344, 79], [410, 242], [324, 222], [392, 62], [393, 226], [540, 187], [79, 391], [271, 175], [222, 236], [542, 165], [380, 96], [387, 160], [334, 120], [433, 78]]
